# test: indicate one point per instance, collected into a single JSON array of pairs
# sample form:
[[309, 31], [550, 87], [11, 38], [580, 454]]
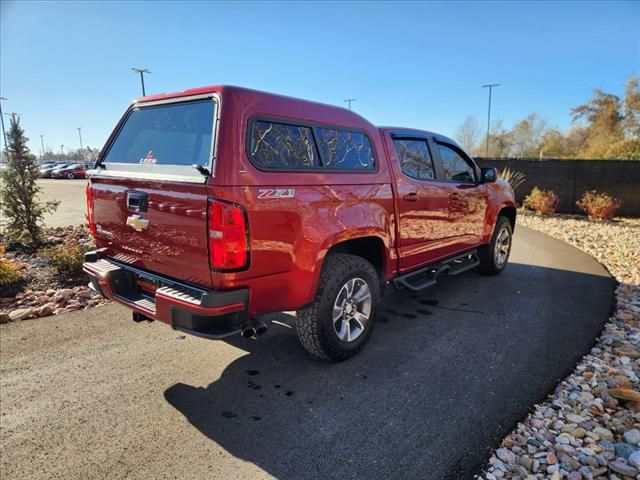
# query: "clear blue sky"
[[67, 65]]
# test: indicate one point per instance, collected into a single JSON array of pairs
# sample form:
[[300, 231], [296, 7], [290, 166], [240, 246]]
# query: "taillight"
[[90, 220], [228, 236]]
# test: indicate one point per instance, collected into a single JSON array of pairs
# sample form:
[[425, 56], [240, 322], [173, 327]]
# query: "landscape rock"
[[589, 428], [632, 436], [20, 314], [634, 459], [623, 468]]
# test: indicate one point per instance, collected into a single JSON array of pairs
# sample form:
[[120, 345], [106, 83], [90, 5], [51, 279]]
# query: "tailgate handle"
[[137, 201]]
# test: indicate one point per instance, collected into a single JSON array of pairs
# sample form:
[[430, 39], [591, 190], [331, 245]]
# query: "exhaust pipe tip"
[[261, 329], [248, 332]]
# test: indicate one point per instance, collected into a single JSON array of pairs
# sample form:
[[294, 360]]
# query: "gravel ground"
[[590, 427], [43, 290]]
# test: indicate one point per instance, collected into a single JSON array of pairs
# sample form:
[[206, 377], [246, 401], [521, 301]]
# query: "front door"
[[423, 204], [467, 196]]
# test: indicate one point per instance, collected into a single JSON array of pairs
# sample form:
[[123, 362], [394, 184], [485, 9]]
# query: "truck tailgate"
[[154, 226]]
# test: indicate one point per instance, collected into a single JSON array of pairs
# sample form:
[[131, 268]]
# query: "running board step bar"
[[428, 276]]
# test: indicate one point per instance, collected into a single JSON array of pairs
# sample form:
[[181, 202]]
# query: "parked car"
[[45, 171], [213, 206], [70, 171]]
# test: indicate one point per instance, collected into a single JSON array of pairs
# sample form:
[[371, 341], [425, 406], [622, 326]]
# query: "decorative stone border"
[[589, 428]]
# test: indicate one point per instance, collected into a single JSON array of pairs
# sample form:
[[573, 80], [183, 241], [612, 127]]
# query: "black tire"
[[70, 176], [490, 263], [315, 324]]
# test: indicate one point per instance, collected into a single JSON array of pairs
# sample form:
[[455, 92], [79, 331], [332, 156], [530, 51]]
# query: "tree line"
[[605, 127], [80, 155]]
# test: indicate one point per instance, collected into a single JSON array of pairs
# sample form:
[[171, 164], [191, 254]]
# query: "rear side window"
[[280, 146], [172, 134], [415, 159], [345, 149], [456, 168]]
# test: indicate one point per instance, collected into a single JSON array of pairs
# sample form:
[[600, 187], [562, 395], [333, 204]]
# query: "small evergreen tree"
[[22, 213]]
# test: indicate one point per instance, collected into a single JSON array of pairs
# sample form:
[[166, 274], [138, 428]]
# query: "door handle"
[[411, 197], [455, 196]]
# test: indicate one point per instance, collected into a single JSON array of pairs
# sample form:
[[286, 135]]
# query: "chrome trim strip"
[[214, 136], [191, 176], [173, 100]]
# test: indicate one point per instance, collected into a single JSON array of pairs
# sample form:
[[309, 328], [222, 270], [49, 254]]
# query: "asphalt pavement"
[[445, 376], [70, 194]]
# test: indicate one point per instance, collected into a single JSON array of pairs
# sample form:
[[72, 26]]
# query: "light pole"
[[4, 135], [349, 100], [42, 143], [80, 135], [141, 71], [62, 149], [490, 87]]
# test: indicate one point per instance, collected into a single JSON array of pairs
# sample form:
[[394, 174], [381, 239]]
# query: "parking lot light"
[[490, 87], [142, 71]]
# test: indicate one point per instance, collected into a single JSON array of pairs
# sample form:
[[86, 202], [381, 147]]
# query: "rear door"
[[467, 197], [149, 199], [423, 209]]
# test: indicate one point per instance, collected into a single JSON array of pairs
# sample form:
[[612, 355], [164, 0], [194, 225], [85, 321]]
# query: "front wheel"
[[70, 176], [339, 321], [495, 255]]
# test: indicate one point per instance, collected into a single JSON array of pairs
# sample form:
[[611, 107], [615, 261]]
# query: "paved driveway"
[[446, 374], [73, 203]]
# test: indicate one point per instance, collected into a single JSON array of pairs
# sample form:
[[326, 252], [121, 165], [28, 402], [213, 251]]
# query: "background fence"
[[569, 179]]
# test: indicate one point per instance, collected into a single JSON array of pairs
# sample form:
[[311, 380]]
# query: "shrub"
[[513, 177], [599, 206], [21, 210], [543, 202], [9, 273], [67, 258], [9, 270]]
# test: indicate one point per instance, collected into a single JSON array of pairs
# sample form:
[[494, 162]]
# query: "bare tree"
[[468, 135], [527, 136]]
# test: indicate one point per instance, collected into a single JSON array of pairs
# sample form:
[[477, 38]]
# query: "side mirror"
[[488, 174]]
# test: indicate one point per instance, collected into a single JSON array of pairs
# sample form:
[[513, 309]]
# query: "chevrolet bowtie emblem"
[[137, 223]]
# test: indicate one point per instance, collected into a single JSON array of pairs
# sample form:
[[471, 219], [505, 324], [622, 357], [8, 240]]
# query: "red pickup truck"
[[212, 206]]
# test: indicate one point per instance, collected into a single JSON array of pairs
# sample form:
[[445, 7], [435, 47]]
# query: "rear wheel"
[[339, 321], [70, 176], [495, 255]]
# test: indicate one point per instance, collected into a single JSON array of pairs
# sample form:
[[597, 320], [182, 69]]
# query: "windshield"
[[171, 134]]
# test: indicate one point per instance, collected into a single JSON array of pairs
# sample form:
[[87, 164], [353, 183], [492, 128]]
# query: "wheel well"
[[510, 213], [369, 248]]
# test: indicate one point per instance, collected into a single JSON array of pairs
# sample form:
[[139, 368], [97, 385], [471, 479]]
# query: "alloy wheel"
[[502, 246], [352, 310]]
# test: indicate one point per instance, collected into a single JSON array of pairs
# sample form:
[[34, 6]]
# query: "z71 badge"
[[276, 192]]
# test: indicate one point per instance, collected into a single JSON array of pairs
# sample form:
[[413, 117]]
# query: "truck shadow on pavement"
[[446, 374]]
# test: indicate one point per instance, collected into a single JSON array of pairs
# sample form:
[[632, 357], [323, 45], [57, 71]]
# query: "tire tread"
[[309, 324], [485, 253]]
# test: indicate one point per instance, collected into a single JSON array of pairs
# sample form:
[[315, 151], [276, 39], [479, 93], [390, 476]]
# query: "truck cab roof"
[[413, 131]]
